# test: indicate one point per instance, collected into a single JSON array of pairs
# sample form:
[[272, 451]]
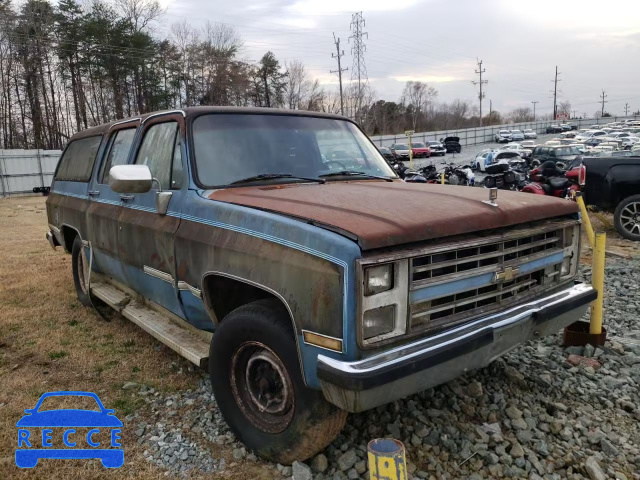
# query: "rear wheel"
[[258, 385], [627, 218], [80, 267]]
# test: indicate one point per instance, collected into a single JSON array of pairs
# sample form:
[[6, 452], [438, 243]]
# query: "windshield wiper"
[[351, 173], [271, 176]]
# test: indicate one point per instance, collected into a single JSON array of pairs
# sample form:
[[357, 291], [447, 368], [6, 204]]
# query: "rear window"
[[77, 162]]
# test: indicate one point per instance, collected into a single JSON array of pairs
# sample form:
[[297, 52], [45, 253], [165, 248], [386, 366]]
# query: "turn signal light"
[[582, 175]]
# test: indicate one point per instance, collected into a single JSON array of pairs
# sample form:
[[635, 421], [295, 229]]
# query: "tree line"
[[68, 66]]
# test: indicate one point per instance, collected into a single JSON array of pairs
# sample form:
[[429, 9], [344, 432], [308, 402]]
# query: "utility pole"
[[574, 114], [490, 110], [534, 109], [626, 109], [602, 97], [555, 96], [359, 69], [481, 82], [339, 53]]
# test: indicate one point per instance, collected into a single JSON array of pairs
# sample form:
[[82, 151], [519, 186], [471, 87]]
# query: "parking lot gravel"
[[540, 412]]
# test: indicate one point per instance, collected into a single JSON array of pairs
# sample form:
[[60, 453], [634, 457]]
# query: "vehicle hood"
[[420, 148], [69, 418], [379, 214], [451, 139]]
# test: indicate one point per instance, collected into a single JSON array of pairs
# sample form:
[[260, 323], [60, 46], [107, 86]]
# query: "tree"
[[564, 108], [270, 83], [417, 96], [521, 114]]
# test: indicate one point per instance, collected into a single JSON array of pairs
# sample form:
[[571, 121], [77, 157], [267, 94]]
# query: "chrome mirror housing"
[[130, 178]]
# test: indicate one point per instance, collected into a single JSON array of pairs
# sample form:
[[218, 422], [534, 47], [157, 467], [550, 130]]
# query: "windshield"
[[516, 131], [401, 147], [417, 145], [434, 144], [230, 147], [504, 132]]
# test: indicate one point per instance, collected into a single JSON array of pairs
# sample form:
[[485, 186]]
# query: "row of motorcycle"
[[549, 178]]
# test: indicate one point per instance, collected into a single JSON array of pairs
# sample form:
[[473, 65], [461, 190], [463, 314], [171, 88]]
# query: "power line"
[[359, 69], [602, 97], [339, 53], [534, 109], [481, 82]]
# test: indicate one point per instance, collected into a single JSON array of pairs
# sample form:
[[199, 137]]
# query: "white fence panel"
[[23, 170]]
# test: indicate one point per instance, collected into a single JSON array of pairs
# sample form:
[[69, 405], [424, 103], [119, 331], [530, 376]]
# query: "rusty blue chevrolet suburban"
[[278, 250]]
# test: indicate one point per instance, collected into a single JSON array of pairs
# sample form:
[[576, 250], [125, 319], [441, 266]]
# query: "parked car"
[[568, 134], [516, 147], [612, 183], [452, 144], [437, 148], [529, 144], [401, 150], [590, 134], [530, 133], [388, 154], [565, 127], [503, 136], [516, 135], [420, 150], [289, 270], [557, 153], [554, 128], [495, 157]]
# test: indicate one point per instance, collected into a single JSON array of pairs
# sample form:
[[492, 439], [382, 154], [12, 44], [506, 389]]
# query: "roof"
[[195, 111]]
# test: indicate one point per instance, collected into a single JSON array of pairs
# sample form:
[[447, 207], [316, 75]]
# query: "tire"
[[80, 269], [257, 339], [627, 218]]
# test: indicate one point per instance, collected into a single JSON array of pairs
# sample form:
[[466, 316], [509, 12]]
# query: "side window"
[[157, 151], [119, 146], [77, 162]]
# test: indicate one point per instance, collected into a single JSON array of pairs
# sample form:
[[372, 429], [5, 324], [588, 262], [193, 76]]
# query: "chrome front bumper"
[[407, 369], [52, 240]]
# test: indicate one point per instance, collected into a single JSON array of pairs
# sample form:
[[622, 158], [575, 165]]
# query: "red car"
[[420, 150]]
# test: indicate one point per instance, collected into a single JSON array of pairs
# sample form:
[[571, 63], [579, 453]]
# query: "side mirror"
[[130, 179]]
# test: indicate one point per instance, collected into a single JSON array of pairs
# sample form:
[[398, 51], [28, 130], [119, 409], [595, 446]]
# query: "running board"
[[181, 339]]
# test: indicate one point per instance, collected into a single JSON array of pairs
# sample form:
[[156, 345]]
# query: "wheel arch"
[[232, 292], [69, 234]]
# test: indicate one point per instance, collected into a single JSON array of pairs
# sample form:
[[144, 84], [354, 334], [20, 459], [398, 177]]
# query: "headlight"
[[378, 321], [378, 279]]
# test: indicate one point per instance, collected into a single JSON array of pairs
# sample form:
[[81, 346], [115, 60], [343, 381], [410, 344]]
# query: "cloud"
[[426, 78], [330, 7]]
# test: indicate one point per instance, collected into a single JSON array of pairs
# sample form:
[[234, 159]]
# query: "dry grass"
[[49, 342]]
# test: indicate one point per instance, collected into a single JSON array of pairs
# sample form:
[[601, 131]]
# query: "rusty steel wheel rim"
[[262, 387], [83, 271]]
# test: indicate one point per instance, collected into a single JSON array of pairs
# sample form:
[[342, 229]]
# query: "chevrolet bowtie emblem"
[[507, 275]]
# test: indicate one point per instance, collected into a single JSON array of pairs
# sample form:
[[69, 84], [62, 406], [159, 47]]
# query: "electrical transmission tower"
[[626, 109], [480, 82], [339, 53], [359, 79], [555, 94], [602, 99], [534, 109]]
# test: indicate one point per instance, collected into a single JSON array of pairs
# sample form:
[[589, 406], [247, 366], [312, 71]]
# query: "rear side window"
[[77, 162], [119, 146]]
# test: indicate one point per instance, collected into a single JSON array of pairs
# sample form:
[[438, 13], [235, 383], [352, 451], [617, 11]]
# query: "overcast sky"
[[596, 45]]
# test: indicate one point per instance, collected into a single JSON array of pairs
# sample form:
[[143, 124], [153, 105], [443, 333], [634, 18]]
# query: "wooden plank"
[[190, 346]]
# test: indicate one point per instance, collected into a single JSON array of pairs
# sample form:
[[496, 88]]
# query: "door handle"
[[126, 198], [94, 193]]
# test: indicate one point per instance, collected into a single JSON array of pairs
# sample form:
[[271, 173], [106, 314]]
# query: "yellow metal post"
[[597, 281], [408, 133], [586, 221], [442, 178], [386, 459]]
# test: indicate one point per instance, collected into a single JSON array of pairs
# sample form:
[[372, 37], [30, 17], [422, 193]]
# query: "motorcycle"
[[453, 174], [507, 175], [406, 174], [549, 179]]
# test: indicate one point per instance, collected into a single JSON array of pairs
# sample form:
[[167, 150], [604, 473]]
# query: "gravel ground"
[[540, 411]]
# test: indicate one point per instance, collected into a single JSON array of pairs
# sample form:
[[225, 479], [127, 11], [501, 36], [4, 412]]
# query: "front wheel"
[[627, 218], [258, 386]]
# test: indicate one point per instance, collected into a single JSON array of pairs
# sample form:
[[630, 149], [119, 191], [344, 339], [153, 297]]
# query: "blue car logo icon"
[[36, 433]]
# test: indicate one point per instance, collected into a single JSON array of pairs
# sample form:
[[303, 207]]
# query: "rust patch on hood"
[[381, 214]]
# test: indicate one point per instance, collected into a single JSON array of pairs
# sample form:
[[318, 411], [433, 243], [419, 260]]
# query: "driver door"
[[146, 235]]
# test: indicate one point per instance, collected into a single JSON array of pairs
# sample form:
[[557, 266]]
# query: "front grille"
[[468, 260], [482, 265]]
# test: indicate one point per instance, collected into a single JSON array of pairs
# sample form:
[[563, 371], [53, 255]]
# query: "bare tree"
[[417, 96]]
